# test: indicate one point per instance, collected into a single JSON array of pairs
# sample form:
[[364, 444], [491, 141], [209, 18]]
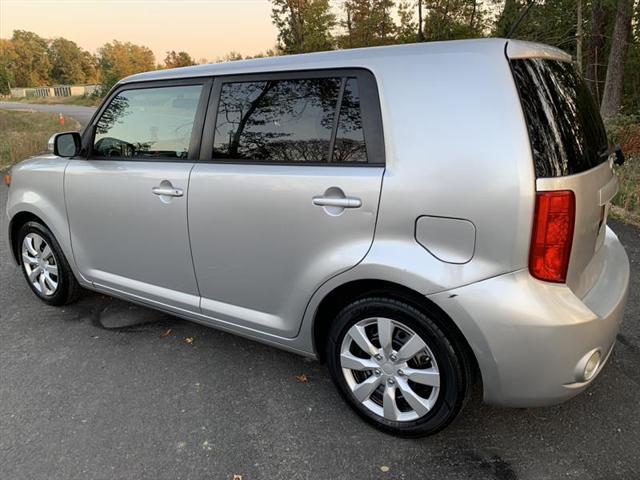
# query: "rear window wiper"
[[614, 150]]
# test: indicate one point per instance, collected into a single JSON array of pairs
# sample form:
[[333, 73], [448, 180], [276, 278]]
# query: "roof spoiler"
[[521, 49]]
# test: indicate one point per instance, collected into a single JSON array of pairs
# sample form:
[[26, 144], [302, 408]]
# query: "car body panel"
[[528, 335], [260, 245], [37, 187], [126, 237], [593, 192]]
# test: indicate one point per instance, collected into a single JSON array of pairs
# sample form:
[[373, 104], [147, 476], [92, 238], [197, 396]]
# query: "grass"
[[625, 130], [85, 100], [626, 204], [23, 134]]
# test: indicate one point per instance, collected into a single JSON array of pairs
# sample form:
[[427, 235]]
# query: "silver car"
[[419, 217]]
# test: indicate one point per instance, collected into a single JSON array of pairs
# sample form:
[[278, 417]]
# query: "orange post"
[[60, 119]]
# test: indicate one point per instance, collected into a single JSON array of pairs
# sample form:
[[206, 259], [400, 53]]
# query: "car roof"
[[355, 58]]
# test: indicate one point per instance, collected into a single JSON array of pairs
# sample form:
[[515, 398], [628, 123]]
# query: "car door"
[[285, 194], [127, 202]]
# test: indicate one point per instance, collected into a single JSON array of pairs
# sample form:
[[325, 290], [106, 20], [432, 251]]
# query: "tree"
[[7, 57], [5, 84], [120, 59], [30, 66], [176, 60], [631, 97], [90, 66], [596, 48], [407, 26], [579, 35], [507, 18], [67, 61], [232, 56], [612, 95], [454, 19], [385, 27], [303, 25], [369, 23], [420, 22]]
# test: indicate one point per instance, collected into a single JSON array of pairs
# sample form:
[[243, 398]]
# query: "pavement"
[[79, 112], [104, 389]]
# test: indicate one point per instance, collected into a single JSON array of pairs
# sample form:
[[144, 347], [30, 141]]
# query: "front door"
[[286, 193], [127, 202]]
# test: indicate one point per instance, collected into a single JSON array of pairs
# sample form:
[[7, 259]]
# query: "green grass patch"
[[23, 134], [625, 130]]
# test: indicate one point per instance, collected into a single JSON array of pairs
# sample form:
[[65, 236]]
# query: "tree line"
[[28, 60], [602, 35]]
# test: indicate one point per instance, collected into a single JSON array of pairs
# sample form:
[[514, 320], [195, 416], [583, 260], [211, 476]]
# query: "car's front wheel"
[[396, 367], [44, 265]]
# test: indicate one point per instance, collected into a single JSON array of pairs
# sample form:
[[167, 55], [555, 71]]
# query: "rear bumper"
[[531, 337]]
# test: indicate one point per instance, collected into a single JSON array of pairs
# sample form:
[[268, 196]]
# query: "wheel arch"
[[17, 221], [55, 223], [346, 293]]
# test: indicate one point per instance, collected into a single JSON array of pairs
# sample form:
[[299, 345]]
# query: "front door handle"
[[346, 202], [166, 191]]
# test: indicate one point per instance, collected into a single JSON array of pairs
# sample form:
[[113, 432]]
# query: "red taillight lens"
[[552, 235]]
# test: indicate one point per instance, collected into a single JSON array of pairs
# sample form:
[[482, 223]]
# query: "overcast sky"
[[203, 28]]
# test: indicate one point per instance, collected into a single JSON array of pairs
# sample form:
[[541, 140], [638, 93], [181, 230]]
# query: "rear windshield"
[[565, 129]]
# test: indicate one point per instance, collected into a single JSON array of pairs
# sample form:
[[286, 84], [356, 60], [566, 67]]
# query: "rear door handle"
[[346, 202], [164, 191]]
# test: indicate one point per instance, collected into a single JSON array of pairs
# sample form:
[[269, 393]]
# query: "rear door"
[[127, 202], [286, 193], [570, 152]]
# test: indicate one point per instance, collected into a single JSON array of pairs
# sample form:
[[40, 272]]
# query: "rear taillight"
[[552, 235]]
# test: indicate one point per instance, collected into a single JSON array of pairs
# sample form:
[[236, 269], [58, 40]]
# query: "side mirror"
[[66, 144]]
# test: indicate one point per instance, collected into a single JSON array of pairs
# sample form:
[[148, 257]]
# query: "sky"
[[203, 28]]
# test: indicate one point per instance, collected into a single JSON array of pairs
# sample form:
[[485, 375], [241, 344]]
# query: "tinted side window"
[[565, 129], [349, 146], [290, 121], [148, 123], [284, 121]]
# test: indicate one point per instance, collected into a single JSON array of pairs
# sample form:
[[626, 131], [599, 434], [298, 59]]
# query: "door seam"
[[373, 237], [193, 264]]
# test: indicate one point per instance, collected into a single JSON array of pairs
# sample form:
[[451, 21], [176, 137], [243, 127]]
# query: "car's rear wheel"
[[44, 265], [396, 367]]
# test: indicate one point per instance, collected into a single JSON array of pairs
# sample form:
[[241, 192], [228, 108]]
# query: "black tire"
[[454, 368], [68, 289]]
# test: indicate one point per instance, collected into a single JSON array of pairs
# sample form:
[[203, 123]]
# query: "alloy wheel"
[[390, 369], [40, 264]]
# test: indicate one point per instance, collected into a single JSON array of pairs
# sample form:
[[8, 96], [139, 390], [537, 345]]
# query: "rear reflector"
[[552, 235]]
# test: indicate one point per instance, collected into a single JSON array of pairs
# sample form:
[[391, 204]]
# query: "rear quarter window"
[[565, 129], [298, 118]]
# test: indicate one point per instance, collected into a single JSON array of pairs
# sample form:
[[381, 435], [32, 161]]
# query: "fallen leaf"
[[166, 334], [237, 477], [188, 340], [302, 378], [384, 468]]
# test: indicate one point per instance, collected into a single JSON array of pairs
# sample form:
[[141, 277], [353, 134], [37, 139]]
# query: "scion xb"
[[419, 217]]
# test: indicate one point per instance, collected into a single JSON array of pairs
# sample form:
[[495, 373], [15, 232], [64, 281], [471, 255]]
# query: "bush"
[[625, 131]]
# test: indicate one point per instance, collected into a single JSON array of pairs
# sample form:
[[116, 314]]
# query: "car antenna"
[[523, 14]]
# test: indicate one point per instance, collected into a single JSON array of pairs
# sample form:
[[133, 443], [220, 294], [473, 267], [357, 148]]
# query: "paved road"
[[93, 391], [80, 113]]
